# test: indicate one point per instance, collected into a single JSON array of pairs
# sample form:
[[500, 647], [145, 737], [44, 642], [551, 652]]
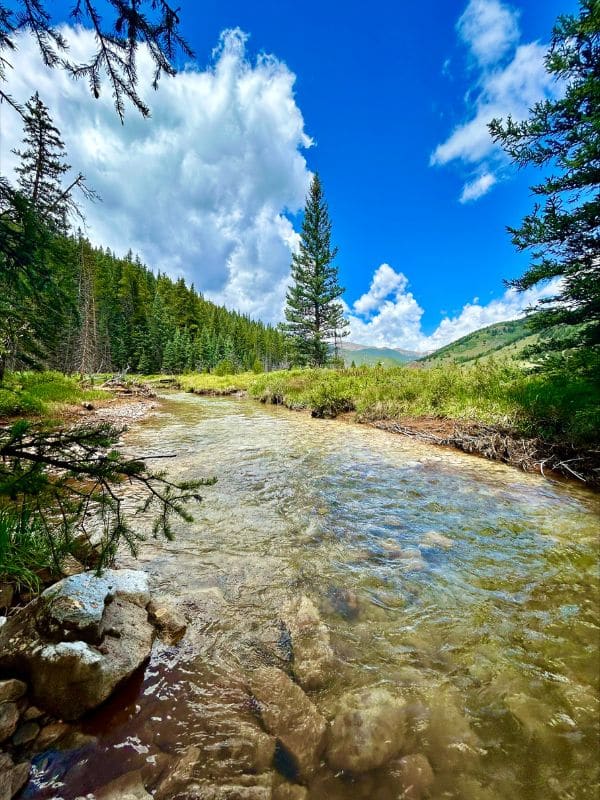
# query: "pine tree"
[[43, 168], [313, 316], [563, 232]]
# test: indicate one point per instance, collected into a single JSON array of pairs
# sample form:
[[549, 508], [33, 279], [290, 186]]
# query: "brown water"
[[494, 638]]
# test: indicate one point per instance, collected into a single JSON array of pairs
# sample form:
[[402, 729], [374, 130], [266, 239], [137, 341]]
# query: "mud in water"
[[465, 587]]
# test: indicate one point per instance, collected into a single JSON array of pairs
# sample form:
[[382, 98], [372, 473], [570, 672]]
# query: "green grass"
[[26, 552], [491, 392], [41, 393], [501, 340], [204, 382]]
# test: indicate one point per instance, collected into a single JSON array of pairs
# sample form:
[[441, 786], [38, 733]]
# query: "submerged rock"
[[368, 730], [290, 791], [433, 539], [415, 775], [313, 657], [344, 602], [288, 714], [171, 624], [126, 787], [80, 639], [185, 780]]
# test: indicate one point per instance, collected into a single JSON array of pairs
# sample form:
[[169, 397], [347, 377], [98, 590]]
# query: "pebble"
[[12, 690]]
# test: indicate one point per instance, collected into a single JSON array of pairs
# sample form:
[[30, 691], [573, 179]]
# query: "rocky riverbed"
[[87, 635], [350, 616]]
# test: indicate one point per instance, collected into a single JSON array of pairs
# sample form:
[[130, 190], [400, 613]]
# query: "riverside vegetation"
[[563, 416]]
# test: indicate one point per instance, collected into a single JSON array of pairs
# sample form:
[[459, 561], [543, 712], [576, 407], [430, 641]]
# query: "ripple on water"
[[467, 587]]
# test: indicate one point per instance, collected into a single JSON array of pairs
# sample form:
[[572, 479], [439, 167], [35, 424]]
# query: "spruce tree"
[[314, 318], [43, 167], [563, 136]]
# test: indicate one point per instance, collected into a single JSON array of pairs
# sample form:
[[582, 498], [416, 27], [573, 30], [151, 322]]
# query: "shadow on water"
[[466, 586]]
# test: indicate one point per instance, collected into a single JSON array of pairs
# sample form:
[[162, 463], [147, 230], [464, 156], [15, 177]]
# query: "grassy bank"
[[42, 394], [494, 393]]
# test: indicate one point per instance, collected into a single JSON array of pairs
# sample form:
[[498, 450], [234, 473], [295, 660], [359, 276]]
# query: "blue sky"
[[387, 93]]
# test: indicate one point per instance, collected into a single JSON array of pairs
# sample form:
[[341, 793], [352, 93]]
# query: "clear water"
[[494, 640]]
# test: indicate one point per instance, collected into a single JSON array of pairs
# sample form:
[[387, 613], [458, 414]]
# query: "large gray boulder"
[[79, 640], [368, 730]]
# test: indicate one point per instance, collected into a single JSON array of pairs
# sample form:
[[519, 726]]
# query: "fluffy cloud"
[[477, 187], [489, 29], [202, 188], [510, 79], [392, 318]]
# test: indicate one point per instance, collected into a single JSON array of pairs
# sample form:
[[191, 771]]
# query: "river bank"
[[494, 411]]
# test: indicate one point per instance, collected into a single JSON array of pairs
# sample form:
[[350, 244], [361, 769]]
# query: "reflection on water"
[[465, 586]]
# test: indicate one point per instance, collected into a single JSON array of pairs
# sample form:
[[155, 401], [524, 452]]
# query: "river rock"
[[181, 774], [313, 657], [12, 690], [433, 539], [12, 776], [33, 712], [9, 716], [126, 787], [368, 730], [415, 775], [290, 791], [50, 734], [171, 624], [25, 733], [288, 714], [70, 566], [80, 639]]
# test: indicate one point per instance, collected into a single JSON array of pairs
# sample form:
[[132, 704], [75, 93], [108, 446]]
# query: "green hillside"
[[503, 339], [375, 355]]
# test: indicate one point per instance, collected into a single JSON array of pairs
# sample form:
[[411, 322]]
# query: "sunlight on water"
[[469, 588]]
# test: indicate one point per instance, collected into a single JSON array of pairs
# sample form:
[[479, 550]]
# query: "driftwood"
[[497, 444], [119, 386]]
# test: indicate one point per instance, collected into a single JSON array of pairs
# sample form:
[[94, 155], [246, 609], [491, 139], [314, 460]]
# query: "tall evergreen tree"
[[563, 232], [314, 318], [43, 167]]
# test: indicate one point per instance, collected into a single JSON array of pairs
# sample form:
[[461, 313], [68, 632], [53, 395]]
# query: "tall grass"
[[491, 392], [39, 393], [26, 551]]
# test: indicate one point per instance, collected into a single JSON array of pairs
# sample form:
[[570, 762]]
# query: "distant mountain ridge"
[[502, 339], [364, 354]]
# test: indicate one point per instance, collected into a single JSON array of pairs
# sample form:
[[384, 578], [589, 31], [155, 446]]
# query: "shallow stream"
[[489, 627]]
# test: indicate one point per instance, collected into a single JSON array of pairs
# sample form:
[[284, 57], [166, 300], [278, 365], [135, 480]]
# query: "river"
[[466, 586]]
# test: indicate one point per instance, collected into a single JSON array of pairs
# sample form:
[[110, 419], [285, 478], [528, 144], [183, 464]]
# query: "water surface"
[[494, 636]]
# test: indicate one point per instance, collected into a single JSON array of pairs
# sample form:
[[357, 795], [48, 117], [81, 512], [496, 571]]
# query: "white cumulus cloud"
[[393, 318], [202, 189], [510, 78], [489, 29]]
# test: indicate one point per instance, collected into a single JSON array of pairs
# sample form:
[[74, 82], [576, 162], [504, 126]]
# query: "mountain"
[[501, 340], [363, 354]]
